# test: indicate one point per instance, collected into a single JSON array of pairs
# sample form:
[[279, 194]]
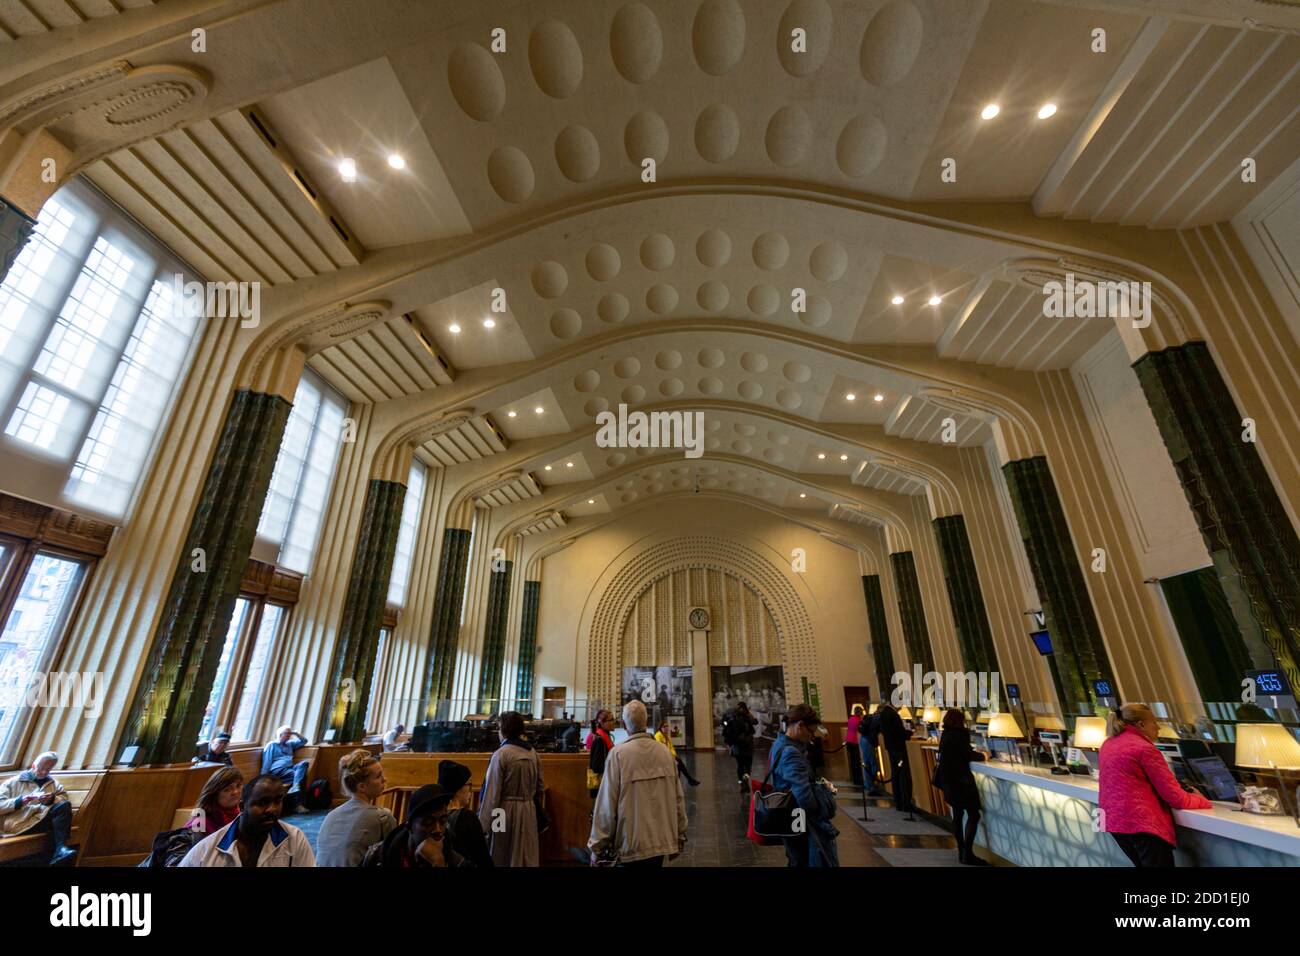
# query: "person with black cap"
[[792, 772], [215, 750], [420, 841], [464, 832]]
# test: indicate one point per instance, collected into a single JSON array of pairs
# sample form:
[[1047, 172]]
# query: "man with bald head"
[[640, 810]]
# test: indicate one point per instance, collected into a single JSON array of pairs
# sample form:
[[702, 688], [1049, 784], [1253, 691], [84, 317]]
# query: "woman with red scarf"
[[600, 743]]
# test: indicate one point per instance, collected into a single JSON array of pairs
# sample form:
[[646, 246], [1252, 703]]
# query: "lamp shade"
[[1090, 732], [905, 713], [1167, 731], [1048, 722], [1266, 745], [1004, 725], [873, 708], [931, 715], [984, 717]]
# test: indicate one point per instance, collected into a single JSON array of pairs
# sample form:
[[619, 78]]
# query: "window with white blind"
[[406, 535], [304, 472], [91, 348]]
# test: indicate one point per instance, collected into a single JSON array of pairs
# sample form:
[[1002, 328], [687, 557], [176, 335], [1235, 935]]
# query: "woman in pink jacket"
[[1138, 788]]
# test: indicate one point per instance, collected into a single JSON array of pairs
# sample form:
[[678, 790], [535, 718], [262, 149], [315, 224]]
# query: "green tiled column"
[[974, 636], [444, 632], [15, 229], [1079, 653], [494, 638], [348, 689], [528, 640], [881, 650], [916, 633], [169, 703], [1250, 538]]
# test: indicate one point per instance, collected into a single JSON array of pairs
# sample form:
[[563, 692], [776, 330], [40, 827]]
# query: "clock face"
[[699, 618]]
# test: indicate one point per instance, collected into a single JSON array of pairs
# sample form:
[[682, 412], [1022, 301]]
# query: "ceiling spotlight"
[[396, 161], [591, 501], [821, 456], [844, 457], [1047, 109], [990, 111], [454, 329], [850, 397], [548, 467], [897, 300], [568, 464], [935, 299], [348, 170], [539, 409], [802, 495], [489, 323], [878, 397], [511, 414]]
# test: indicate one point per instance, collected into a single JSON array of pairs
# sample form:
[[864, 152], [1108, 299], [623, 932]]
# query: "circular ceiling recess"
[[861, 146], [713, 248], [565, 323], [556, 59], [587, 381], [753, 362], [671, 387], [814, 18], [577, 153], [711, 358], [596, 405], [603, 262], [788, 398], [613, 308], [789, 134], [771, 250], [817, 314], [510, 173], [627, 367], [661, 299], [476, 82], [891, 43], [550, 279], [633, 395], [713, 296], [796, 372], [636, 43], [828, 261], [710, 386], [750, 391], [764, 300], [657, 252], [718, 36], [668, 360], [646, 136], [717, 133]]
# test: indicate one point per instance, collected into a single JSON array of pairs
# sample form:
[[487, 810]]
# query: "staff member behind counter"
[[1138, 788]]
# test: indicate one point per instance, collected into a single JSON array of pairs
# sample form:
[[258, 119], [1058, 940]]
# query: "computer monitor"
[[1043, 641], [1215, 777]]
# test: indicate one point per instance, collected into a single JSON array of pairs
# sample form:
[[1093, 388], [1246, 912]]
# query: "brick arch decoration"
[[794, 626]]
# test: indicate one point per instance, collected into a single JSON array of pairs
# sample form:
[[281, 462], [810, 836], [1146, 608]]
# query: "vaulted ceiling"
[[778, 176]]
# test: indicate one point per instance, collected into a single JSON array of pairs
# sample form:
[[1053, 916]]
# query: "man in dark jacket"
[[738, 733], [215, 751], [895, 736], [792, 771], [421, 840]]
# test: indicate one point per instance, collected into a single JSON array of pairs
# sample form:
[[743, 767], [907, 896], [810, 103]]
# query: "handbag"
[[754, 788], [543, 821], [773, 811]]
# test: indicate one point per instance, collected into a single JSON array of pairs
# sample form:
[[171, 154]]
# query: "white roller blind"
[[406, 534]]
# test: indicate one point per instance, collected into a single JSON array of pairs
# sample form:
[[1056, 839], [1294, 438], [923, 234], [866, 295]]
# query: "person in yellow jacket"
[[664, 736]]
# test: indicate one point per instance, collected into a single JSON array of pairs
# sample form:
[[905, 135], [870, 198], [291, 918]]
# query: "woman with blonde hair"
[[1138, 790], [351, 828]]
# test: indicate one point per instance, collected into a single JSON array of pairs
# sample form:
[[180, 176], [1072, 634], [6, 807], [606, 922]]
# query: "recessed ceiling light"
[[396, 161], [802, 495], [489, 323], [568, 464], [878, 397], [850, 397], [511, 414], [591, 501], [897, 300], [539, 409], [935, 299], [454, 329], [548, 467], [821, 456], [1047, 109], [348, 170], [990, 111], [844, 457]]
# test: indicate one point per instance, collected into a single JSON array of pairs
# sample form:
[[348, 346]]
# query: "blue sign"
[[1103, 688], [1270, 683], [1013, 691]]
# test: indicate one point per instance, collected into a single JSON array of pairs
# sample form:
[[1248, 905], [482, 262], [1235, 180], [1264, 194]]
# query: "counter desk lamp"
[[931, 716], [1271, 747], [1004, 726], [1089, 734], [1051, 731]]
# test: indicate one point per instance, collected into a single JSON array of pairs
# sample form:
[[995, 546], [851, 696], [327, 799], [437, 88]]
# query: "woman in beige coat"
[[512, 793]]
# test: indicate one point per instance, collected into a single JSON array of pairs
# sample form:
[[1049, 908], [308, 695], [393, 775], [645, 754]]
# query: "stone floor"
[[717, 817]]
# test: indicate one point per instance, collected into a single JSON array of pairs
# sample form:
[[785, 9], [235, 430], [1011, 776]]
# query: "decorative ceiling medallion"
[[147, 103], [450, 421], [342, 321], [62, 92]]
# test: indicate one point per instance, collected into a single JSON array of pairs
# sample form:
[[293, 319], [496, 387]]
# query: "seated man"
[[214, 751], [256, 837], [34, 802], [421, 840], [392, 737], [277, 758]]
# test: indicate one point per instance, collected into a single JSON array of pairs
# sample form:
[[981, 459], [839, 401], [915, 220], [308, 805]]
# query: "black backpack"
[[319, 796], [170, 847]]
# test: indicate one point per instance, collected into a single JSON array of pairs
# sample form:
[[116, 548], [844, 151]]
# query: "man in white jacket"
[[256, 837], [640, 809]]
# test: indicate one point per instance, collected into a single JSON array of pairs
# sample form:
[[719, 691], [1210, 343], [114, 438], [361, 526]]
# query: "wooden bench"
[[81, 786]]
